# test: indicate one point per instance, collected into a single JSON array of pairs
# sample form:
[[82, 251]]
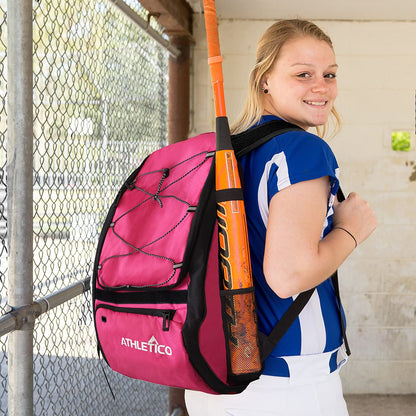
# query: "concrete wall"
[[377, 85]]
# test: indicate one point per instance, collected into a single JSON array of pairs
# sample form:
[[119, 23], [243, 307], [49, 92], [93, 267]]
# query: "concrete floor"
[[386, 405], [370, 405]]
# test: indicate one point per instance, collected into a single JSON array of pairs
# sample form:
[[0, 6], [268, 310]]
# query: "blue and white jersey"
[[289, 158]]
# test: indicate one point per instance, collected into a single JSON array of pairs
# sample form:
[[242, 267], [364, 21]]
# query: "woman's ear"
[[264, 81], [264, 85]]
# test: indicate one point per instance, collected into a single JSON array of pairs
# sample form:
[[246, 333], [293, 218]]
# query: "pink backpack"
[[157, 297]]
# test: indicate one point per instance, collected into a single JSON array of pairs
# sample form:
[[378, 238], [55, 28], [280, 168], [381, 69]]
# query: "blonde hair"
[[268, 50]]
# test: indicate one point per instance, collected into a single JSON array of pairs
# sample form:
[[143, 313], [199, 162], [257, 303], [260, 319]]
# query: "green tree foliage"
[[400, 141]]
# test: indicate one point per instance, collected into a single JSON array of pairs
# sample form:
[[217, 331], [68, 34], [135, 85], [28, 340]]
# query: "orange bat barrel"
[[235, 265], [239, 309]]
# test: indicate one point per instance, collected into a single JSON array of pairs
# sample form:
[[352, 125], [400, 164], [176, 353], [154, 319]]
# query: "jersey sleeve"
[[296, 157]]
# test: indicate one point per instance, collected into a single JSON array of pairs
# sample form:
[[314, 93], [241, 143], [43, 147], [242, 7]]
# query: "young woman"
[[299, 232]]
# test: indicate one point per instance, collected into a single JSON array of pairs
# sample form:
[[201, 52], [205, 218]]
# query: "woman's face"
[[302, 84]]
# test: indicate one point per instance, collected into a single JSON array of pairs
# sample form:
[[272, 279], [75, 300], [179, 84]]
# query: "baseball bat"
[[234, 254]]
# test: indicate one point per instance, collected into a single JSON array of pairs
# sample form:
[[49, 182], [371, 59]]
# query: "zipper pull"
[[167, 317]]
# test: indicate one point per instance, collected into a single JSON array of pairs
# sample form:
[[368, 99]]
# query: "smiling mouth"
[[316, 103]]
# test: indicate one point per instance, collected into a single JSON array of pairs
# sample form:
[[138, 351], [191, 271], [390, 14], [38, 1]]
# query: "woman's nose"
[[319, 85]]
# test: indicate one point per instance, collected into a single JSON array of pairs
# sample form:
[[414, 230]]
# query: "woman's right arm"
[[296, 259]]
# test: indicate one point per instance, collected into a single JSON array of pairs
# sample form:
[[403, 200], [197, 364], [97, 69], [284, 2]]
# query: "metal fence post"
[[20, 201]]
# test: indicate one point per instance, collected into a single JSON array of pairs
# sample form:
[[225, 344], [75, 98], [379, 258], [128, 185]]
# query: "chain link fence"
[[3, 223], [100, 106]]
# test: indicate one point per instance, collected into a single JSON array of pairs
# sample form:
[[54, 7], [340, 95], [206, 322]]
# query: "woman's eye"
[[331, 75], [304, 75]]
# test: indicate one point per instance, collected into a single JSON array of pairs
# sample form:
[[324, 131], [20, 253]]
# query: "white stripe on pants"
[[274, 396]]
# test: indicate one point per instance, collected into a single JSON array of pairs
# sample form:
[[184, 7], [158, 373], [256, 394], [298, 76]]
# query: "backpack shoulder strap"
[[268, 343], [335, 283], [249, 140]]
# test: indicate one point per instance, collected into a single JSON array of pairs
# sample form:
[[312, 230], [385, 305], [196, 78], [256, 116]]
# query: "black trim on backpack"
[[165, 296], [197, 271]]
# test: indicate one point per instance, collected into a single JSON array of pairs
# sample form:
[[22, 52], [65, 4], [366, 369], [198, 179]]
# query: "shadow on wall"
[[412, 177]]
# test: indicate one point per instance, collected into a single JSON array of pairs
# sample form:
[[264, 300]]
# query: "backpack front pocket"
[[144, 339]]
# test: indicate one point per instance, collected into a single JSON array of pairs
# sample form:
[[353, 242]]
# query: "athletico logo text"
[[151, 346]]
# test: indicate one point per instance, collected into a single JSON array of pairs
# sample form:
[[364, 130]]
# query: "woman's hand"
[[355, 215]]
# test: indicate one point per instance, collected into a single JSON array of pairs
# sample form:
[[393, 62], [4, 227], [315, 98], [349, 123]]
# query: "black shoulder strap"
[[244, 143], [249, 140], [334, 277], [268, 343]]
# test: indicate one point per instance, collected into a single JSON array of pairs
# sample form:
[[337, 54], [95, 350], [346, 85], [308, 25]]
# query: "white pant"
[[274, 396]]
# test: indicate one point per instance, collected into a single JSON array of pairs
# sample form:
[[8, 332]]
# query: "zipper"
[[166, 314]]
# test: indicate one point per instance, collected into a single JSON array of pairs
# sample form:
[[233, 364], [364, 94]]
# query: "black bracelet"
[[343, 229]]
